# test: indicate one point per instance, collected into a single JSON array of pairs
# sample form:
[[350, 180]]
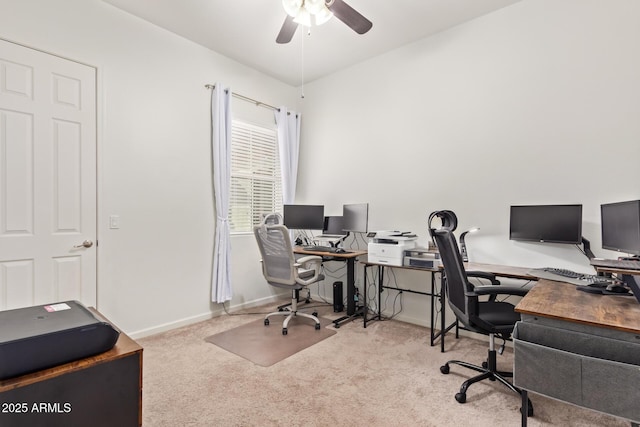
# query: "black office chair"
[[493, 318]]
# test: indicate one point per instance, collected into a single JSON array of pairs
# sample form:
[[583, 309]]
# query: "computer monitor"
[[333, 225], [546, 223], [620, 224], [356, 217], [303, 217]]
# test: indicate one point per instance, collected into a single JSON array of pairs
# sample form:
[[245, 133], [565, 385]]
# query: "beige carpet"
[[384, 375], [265, 345]]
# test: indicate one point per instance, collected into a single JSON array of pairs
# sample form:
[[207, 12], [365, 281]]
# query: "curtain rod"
[[246, 98]]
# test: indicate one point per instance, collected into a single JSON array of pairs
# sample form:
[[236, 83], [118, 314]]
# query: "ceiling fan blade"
[[350, 16], [287, 31]]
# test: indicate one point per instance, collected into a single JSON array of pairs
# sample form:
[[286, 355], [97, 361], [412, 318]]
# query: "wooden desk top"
[[346, 255], [498, 270], [618, 270], [501, 270], [560, 300], [366, 262]]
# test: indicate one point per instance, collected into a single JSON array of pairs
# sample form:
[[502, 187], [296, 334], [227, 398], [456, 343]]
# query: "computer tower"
[[40, 337], [338, 306]]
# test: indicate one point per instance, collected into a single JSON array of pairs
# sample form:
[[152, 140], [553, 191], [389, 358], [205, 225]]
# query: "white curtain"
[[288, 123], [221, 163]]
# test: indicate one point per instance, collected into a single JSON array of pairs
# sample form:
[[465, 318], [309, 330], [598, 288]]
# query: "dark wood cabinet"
[[101, 390]]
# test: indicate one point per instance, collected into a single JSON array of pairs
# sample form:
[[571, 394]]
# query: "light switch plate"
[[114, 221]]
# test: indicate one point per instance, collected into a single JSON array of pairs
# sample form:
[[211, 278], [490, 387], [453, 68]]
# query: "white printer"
[[388, 247], [422, 258]]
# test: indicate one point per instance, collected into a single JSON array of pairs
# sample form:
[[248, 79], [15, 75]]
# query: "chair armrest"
[[310, 262], [315, 259], [500, 290], [484, 275]]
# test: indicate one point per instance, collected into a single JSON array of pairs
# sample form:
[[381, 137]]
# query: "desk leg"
[[351, 287], [441, 296], [443, 326], [433, 306], [364, 293], [525, 407], [351, 293], [380, 284]]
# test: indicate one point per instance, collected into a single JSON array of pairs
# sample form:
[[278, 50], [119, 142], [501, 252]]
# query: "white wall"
[[536, 103], [478, 111], [154, 156]]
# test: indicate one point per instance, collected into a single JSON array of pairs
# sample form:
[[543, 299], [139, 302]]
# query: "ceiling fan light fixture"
[[314, 6], [308, 12], [323, 15], [292, 7], [303, 18], [317, 12]]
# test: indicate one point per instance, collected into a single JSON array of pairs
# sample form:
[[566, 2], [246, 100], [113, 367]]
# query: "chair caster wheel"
[[315, 313], [461, 397], [485, 365], [266, 322], [317, 326], [284, 331], [444, 369]]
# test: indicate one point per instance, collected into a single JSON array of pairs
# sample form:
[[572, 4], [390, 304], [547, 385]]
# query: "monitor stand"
[[633, 282], [586, 248]]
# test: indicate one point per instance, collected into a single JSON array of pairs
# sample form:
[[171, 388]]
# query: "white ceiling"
[[245, 30]]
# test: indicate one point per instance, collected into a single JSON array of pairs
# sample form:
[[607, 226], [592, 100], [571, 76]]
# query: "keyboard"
[[564, 275], [563, 272], [320, 249], [623, 264]]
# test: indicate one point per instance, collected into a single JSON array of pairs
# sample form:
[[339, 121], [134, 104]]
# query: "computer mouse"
[[617, 289]]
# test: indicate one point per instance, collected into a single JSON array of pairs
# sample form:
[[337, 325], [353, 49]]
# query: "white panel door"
[[47, 179]]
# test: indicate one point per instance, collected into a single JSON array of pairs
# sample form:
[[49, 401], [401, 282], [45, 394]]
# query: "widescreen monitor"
[[303, 217], [356, 217], [620, 223], [546, 223]]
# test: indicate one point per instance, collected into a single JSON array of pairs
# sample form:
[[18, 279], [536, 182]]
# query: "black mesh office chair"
[[492, 317]]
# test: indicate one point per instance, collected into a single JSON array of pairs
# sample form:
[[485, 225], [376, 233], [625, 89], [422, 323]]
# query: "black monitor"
[[546, 223], [333, 225], [620, 224], [356, 217], [303, 217]]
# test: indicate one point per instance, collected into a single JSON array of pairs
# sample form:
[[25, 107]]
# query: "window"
[[256, 187]]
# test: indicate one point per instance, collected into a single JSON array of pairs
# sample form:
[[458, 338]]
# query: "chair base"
[[291, 312], [307, 300], [487, 371]]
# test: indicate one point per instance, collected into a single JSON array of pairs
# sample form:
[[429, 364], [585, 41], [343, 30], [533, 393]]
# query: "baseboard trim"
[[215, 312]]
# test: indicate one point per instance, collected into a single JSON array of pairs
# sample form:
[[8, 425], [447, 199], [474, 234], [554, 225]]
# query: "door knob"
[[85, 244]]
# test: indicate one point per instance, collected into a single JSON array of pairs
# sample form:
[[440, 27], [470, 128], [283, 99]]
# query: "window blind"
[[256, 187]]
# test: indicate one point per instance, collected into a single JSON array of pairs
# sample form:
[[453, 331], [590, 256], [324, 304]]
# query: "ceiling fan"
[[306, 12]]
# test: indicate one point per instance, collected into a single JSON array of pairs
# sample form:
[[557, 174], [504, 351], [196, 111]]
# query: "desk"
[[470, 267], [349, 257], [501, 270], [433, 294], [101, 390], [579, 347]]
